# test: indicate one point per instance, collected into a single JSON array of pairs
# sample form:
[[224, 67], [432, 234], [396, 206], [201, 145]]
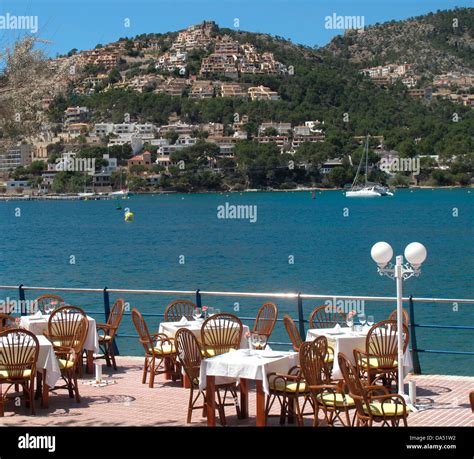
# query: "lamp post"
[[415, 254]]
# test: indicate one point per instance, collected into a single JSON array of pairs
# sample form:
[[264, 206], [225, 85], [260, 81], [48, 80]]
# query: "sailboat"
[[86, 194], [368, 189], [122, 193]]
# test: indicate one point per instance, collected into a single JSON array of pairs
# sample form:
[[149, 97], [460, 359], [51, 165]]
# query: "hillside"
[[434, 43], [232, 91]]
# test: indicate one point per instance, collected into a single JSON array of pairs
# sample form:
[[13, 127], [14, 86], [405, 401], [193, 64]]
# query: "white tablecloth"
[[47, 361], [234, 365], [39, 325], [170, 329], [346, 341]]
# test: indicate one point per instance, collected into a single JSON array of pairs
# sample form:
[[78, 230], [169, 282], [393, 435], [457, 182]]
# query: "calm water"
[[331, 253]]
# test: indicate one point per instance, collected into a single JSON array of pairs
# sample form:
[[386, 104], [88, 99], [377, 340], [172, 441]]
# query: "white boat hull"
[[362, 194], [122, 193]]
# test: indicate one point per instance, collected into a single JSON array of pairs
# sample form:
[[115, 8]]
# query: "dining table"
[[242, 366], [345, 340], [194, 326], [38, 324]]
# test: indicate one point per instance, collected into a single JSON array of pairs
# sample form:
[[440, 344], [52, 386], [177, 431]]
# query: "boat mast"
[[358, 168], [366, 150]]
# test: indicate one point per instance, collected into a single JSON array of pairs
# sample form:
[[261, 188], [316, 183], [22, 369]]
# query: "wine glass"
[[262, 339], [370, 320], [349, 321], [48, 308], [362, 320], [254, 339], [210, 311], [197, 312], [217, 311]]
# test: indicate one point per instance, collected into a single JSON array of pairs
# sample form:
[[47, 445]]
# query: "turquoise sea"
[[296, 244]]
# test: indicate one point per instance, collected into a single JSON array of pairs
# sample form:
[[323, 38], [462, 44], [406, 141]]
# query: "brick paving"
[[128, 402]]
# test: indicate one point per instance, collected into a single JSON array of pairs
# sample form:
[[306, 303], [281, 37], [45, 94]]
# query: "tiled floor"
[[128, 402]]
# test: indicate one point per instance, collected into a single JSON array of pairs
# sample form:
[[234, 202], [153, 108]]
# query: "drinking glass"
[[217, 311], [48, 308], [370, 320], [210, 311], [362, 319], [262, 339], [254, 340], [350, 322], [197, 312]]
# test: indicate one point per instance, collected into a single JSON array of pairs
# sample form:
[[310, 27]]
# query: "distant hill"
[[435, 43]]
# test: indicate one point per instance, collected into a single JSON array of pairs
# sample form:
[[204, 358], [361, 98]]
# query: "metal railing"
[[298, 297]]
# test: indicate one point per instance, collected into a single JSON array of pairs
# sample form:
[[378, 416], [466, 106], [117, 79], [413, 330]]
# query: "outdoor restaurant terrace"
[[205, 367]]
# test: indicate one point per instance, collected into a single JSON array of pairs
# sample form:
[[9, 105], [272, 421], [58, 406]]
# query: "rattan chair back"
[[221, 333], [293, 332], [266, 319], [178, 309]]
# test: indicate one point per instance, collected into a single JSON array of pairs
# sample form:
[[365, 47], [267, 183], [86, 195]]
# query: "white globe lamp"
[[381, 253], [415, 253]]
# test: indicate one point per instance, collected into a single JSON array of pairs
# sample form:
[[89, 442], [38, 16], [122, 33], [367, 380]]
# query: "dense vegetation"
[[325, 87]]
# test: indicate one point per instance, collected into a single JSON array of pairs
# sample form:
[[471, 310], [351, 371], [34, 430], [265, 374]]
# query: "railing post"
[[198, 298], [301, 317], [414, 347], [107, 315], [21, 295]]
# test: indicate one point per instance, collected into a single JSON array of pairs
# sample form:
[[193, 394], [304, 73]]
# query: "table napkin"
[[183, 321]]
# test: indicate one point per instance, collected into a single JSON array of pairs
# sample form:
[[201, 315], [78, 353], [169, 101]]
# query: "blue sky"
[[82, 24]]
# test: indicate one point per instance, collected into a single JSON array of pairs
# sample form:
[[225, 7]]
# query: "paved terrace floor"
[[131, 403]]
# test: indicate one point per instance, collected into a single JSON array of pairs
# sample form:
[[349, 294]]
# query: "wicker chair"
[[178, 309], [388, 409], [327, 317], [18, 355], [190, 356], [48, 300], [67, 330], [379, 360], [406, 316], [287, 389], [106, 332], [328, 397], [6, 322], [160, 351], [293, 332], [266, 319], [221, 333]]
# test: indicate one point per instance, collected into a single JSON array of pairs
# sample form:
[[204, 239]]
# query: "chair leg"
[[282, 411], [145, 369], [106, 355], [69, 384], [152, 373], [112, 356], [233, 392], [32, 396], [76, 390], [221, 409], [190, 406]]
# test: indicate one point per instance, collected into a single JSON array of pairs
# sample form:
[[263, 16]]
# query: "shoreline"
[[106, 197]]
